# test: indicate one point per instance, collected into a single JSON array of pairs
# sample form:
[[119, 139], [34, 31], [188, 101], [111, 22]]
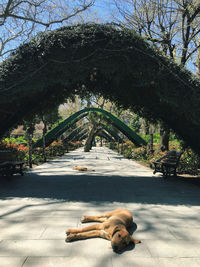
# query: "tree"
[[48, 120], [95, 120], [171, 26], [22, 19], [135, 123], [29, 127]]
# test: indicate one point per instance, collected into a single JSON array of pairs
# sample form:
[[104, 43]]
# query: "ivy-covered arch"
[[65, 124], [99, 59]]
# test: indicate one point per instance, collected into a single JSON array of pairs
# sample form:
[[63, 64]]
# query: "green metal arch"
[[113, 134], [74, 134], [83, 136], [106, 135], [79, 136], [61, 128], [77, 133]]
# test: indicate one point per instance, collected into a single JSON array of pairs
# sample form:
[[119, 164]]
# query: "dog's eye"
[[119, 235]]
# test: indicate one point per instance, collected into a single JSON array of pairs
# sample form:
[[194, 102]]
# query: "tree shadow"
[[93, 188]]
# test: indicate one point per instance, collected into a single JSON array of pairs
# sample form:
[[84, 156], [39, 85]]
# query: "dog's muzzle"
[[115, 247]]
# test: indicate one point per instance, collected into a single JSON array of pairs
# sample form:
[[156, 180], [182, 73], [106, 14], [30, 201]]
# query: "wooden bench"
[[168, 164], [8, 165]]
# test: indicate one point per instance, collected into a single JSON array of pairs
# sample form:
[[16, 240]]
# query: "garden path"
[[36, 209]]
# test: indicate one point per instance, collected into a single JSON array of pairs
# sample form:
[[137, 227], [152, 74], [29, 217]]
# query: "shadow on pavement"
[[86, 188]]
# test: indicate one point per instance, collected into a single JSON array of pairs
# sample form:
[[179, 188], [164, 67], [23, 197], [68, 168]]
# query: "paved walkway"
[[36, 209]]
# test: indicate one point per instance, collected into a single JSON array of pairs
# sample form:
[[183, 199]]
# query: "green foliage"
[[140, 154], [18, 140], [189, 162], [156, 138], [135, 123], [20, 150], [100, 59], [17, 146]]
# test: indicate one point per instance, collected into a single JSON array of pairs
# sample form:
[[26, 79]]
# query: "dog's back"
[[121, 216]]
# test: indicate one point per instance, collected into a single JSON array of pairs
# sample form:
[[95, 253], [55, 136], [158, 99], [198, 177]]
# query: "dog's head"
[[121, 239]]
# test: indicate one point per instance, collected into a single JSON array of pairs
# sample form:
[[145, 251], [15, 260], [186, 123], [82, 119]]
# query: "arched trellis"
[[103, 59], [75, 133], [116, 137], [81, 131], [78, 136], [61, 127], [106, 135]]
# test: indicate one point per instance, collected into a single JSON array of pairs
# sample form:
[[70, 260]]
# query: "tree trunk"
[[89, 141], [151, 144], [146, 127], [43, 148], [164, 139], [44, 142], [101, 142], [30, 150], [118, 146], [122, 148]]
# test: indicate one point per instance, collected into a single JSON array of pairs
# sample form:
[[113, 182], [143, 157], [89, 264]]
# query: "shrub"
[[18, 150], [139, 153], [189, 163]]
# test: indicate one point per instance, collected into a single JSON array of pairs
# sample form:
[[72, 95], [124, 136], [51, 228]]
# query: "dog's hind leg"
[[86, 219], [85, 229], [98, 218]]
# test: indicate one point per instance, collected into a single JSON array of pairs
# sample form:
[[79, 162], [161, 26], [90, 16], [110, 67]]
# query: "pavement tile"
[[76, 261], [34, 248], [149, 232], [133, 261], [184, 233], [185, 222], [96, 246], [21, 232], [173, 248], [55, 232], [12, 261], [177, 262]]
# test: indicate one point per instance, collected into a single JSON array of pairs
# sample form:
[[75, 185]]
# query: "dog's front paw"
[[137, 241], [70, 238], [84, 219], [68, 231]]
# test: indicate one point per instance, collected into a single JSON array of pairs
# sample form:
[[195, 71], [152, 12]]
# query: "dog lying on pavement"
[[113, 226], [82, 168]]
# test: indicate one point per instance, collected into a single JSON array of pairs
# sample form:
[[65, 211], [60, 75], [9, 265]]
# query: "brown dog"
[[82, 168], [114, 226]]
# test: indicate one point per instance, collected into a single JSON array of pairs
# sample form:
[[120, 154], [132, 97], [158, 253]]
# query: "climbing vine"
[[100, 59]]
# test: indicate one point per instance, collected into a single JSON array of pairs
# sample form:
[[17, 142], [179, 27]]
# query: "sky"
[[100, 13], [105, 10]]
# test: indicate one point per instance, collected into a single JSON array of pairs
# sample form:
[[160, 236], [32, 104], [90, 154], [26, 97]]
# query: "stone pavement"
[[35, 211]]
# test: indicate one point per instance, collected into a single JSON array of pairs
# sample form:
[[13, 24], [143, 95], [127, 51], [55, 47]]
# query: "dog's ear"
[[135, 241], [115, 230]]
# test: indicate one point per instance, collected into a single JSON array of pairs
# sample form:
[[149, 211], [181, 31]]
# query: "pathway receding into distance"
[[35, 211]]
